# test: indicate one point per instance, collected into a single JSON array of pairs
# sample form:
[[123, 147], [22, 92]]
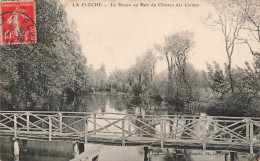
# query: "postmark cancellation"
[[17, 22]]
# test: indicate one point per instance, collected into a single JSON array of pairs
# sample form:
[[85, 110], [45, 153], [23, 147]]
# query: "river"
[[115, 104]]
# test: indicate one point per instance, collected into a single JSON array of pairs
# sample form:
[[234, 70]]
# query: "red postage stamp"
[[18, 22]]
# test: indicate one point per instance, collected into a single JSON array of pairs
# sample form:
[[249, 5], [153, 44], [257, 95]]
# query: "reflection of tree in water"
[[84, 103], [99, 102], [167, 154], [131, 105], [119, 103], [134, 101], [151, 107], [176, 155], [93, 103], [155, 107]]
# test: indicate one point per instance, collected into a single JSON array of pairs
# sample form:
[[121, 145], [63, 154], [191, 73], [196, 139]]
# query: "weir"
[[165, 131]]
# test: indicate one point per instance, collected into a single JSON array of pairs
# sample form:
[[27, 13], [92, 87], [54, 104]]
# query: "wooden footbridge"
[[177, 131]]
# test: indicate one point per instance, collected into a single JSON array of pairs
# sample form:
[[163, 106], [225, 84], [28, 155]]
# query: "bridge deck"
[[196, 132]]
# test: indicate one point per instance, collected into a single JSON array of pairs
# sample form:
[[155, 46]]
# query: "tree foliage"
[[36, 76], [236, 90], [176, 50], [244, 101]]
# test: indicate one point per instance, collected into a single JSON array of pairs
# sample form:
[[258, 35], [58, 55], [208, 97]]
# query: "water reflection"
[[113, 104], [156, 154]]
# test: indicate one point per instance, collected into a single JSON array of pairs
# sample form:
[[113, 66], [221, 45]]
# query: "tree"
[[229, 20], [101, 78], [36, 76], [176, 50], [250, 10], [143, 72], [233, 17], [244, 101], [118, 80]]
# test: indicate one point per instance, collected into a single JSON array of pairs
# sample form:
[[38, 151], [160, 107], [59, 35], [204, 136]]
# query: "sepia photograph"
[[129, 80]]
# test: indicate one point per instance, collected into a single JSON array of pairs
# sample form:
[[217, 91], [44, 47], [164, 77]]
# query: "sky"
[[117, 35]]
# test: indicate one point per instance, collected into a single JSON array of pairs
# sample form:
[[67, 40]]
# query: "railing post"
[[204, 133], [161, 132], [27, 121], [164, 128], [176, 131], [146, 153], [247, 129], [129, 125], [232, 156], [123, 132], [50, 128], [226, 156], [86, 130], [16, 148], [251, 137], [95, 123], [60, 121], [15, 125], [76, 149]]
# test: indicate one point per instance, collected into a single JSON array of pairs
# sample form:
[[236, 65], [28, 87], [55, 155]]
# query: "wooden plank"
[[89, 153], [256, 123], [11, 120], [161, 132], [6, 118], [231, 133], [102, 128], [164, 127], [129, 125], [27, 121], [50, 128], [15, 125], [143, 123], [35, 125], [86, 130], [60, 121], [182, 129], [23, 126], [104, 119], [111, 124], [204, 136], [45, 121], [142, 128], [12, 130], [160, 139], [123, 132], [251, 137], [95, 123], [69, 126]]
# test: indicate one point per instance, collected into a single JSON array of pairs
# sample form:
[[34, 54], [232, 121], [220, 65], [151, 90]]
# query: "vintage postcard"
[[130, 80]]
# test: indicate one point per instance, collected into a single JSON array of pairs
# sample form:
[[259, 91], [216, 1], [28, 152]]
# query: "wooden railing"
[[203, 132]]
